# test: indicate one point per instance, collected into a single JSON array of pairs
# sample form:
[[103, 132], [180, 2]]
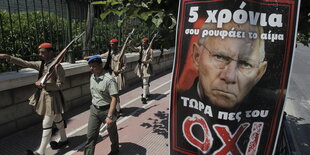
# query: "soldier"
[[144, 66], [48, 100], [118, 66], [104, 91]]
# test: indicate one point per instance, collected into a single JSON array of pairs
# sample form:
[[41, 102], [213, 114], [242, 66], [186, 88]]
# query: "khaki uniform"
[[120, 79], [50, 102], [144, 70], [101, 88]]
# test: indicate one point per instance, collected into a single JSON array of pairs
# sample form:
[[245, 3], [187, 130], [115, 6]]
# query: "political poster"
[[230, 75]]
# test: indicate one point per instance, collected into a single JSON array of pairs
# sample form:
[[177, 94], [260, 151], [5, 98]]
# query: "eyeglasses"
[[220, 61]]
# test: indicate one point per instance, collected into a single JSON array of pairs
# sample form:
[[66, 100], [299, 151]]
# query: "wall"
[[16, 87]]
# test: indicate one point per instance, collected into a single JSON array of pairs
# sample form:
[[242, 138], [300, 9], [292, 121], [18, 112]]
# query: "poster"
[[230, 75]]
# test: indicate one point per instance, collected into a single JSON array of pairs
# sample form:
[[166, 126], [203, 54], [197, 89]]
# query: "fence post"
[[70, 54], [89, 30]]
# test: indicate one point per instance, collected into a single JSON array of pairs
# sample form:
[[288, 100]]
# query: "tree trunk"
[[89, 30]]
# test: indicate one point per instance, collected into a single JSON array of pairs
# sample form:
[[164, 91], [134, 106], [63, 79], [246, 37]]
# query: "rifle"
[[147, 54], [51, 67], [122, 52]]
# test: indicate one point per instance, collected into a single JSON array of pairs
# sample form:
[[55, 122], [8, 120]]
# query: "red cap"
[[45, 45], [114, 40], [145, 39]]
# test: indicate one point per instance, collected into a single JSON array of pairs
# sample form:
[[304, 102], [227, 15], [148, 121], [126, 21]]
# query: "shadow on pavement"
[[156, 96], [135, 111], [131, 148], [159, 123], [73, 143]]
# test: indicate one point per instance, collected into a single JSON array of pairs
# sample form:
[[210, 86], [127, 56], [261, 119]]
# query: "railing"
[[24, 24]]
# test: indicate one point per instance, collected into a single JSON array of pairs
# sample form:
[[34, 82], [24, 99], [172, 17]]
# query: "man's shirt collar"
[[99, 77]]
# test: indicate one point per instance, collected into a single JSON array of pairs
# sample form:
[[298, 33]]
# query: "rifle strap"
[[62, 98], [38, 90], [140, 55], [39, 76], [41, 69]]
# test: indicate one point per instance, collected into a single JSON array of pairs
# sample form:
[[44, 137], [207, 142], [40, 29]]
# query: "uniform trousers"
[[146, 86], [96, 118]]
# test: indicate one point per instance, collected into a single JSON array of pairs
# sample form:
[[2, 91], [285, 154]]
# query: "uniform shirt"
[[114, 62], [144, 69], [148, 60], [102, 88], [120, 78], [50, 101]]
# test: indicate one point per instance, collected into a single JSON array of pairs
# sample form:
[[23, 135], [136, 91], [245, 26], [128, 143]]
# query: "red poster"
[[230, 75]]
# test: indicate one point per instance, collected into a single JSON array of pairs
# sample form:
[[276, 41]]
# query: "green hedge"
[[21, 35]]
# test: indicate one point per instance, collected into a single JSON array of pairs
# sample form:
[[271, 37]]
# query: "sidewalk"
[[142, 130]]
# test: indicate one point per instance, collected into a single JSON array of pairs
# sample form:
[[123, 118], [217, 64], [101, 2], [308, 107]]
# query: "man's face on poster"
[[228, 69]]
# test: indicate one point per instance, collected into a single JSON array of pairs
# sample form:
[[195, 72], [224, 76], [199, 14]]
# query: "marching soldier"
[[144, 66], [104, 93], [48, 100]]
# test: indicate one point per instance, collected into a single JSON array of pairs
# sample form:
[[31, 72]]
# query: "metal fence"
[[24, 24]]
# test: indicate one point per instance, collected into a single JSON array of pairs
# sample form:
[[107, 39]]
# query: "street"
[[143, 128], [297, 104]]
